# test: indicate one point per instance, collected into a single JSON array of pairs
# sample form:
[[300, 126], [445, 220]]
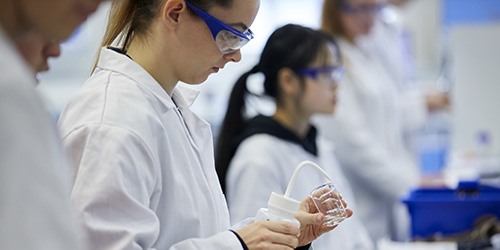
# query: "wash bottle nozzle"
[[297, 170], [282, 207]]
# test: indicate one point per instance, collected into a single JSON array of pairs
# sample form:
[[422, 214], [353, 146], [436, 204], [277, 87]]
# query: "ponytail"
[[232, 126], [128, 18]]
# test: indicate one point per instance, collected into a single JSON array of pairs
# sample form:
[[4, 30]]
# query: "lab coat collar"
[[184, 94], [121, 63]]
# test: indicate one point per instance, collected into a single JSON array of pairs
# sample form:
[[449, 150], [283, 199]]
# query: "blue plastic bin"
[[450, 211]]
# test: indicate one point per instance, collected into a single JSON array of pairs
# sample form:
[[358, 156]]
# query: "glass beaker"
[[328, 201]]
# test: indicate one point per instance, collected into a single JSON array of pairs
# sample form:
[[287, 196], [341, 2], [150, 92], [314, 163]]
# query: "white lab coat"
[[389, 45], [144, 175], [367, 131], [34, 188], [263, 164]]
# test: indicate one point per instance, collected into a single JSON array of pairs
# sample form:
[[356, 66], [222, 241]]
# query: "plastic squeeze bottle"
[[282, 207]]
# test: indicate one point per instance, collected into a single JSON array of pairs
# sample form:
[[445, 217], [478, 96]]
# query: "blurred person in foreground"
[[35, 211]]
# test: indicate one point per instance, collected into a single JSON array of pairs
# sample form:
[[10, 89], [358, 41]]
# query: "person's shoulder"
[[112, 90], [261, 141], [111, 81], [265, 144], [109, 99], [258, 151], [324, 143]]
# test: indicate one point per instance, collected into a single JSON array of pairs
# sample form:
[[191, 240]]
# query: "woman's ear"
[[171, 13], [288, 81]]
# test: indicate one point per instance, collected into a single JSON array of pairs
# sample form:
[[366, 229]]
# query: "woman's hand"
[[270, 235], [437, 101], [311, 221]]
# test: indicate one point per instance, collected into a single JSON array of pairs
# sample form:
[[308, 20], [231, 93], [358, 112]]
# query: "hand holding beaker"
[[329, 202]]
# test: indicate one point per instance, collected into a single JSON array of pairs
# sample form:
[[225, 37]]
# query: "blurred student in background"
[[34, 211], [258, 155], [391, 45], [367, 126]]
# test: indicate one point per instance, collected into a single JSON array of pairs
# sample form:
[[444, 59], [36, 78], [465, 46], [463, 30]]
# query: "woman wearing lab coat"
[[366, 127], [142, 162], [34, 210], [389, 44], [258, 155]]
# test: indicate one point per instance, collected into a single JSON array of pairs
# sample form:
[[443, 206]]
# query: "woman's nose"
[[233, 56], [52, 49]]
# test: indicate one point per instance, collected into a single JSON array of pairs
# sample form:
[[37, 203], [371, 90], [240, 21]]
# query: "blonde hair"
[[330, 17], [126, 19]]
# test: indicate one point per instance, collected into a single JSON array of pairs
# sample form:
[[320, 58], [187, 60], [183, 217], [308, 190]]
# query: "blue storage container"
[[450, 211]]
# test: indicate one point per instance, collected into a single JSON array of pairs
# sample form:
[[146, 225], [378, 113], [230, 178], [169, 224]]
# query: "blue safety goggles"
[[227, 38], [334, 73]]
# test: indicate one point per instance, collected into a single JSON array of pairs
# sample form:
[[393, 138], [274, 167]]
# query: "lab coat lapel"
[[198, 129], [201, 137]]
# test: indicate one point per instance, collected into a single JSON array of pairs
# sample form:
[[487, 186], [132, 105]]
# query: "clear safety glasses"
[[227, 38], [334, 73], [361, 8]]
